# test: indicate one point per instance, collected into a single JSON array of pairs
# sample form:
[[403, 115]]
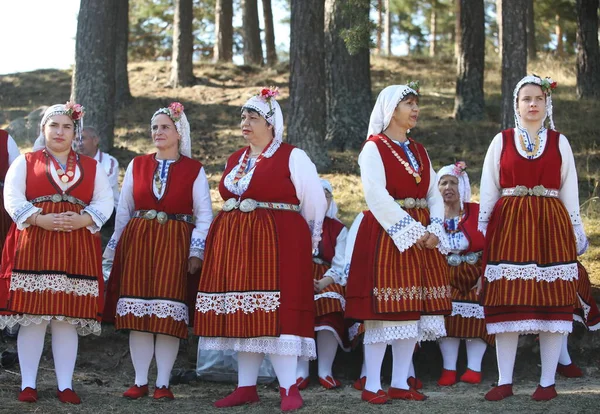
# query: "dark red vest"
[[468, 225], [331, 230], [3, 154]]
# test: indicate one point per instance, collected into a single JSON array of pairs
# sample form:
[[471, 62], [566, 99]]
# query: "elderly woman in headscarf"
[[398, 281], [530, 214], [466, 245], [256, 289], [51, 263], [160, 230], [330, 289]]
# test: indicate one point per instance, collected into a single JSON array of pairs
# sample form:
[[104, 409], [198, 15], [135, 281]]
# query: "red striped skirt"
[[5, 223], [530, 261], [329, 310], [147, 289], [54, 274], [257, 276], [385, 284]]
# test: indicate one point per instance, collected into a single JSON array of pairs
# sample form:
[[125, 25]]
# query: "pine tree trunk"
[[348, 81], [531, 46], [251, 33], [182, 66], [307, 117], [588, 50], [94, 73], [469, 101], [433, 30], [122, 92], [514, 54], [379, 31], [457, 29], [223, 49], [560, 49], [269, 33], [499, 23], [388, 29]]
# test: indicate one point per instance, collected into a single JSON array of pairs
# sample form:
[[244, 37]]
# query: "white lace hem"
[[566, 272], [467, 310], [301, 347], [83, 326], [353, 331], [153, 307], [428, 328], [335, 335], [31, 282], [231, 302], [408, 236], [444, 244], [332, 295], [482, 227], [530, 326]]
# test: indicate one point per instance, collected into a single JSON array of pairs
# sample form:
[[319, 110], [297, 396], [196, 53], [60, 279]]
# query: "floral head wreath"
[[71, 109], [267, 95], [458, 170], [414, 85], [548, 86], [175, 112]]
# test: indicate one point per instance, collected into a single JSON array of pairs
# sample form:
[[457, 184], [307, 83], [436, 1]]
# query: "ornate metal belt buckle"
[[410, 202], [521, 191], [471, 258], [539, 190], [150, 215], [72, 199], [248, 205], [162, 217], [56, 198], [230, 204], [421, 203], [454, 259]]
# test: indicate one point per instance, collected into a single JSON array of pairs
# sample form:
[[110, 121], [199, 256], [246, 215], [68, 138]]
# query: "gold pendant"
[[418, 178], [64, 179], [60, 171]]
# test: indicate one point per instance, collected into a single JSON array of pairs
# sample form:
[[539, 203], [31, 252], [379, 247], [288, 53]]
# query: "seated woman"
[[466, 244]]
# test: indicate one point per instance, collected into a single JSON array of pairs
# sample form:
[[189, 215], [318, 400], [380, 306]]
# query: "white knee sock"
[[363, 367], [64, 351], [285, 368], [449, 348], [30, 344], [506, 352], [550, 345], [475, 351], [402, 352], [326, 348], [565, 358], [374, 354], [411, 369], [302, 370], [248, 368], [141, 347], [165, 352]]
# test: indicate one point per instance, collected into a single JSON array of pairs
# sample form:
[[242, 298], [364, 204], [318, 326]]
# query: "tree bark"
[[388, 29], [348, 81], [531, 46], [182, 65], [433, 30], [514, 54], [457, 29], [469, 101], [269, 33], [588, 50], [223, 49], [122, 92], [94, 73], [307, 117], [499, 23], [251, 33], [560, 49]]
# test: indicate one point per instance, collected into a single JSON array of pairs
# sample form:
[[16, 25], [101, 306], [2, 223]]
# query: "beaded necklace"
[[409, 169], [244, 165]]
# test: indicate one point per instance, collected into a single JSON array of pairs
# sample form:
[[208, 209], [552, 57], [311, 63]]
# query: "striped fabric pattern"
[[325, 305], [467, 328]]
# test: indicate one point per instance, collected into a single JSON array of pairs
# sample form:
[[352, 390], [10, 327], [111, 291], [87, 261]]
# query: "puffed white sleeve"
[[202, 214], [490, 189], [102, 204], [569, 192], [435, 202], [309, 191], [400, 226], [338, 263], [124, 212], [15, 201], [13, 150], [113, 178]]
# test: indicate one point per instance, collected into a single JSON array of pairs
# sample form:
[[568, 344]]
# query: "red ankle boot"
[[68, 396], [447, 378], [410, 394], [329, 383], [379, 397], [359, 384], [569, 371], [499, 392], [471, 377], [415, 383], [544, 393], [241, 396], [135, 392], [290, 400], [28, 395]]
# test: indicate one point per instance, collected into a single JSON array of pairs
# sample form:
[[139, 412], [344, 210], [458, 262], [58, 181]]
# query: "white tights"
[[402, 352], [143, 347], [249, 365], [565, 358], [475, 351]]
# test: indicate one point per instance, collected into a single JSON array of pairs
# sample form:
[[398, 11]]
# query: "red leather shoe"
[[569, 371], [410, 394], [374, 398], [447, 378], [134, 392], [499, 392], [68, 396], [544, 393], [471, 377], [163, 392], [302, 383], [241, 396], [290, 400], [415, 383], [329, 383], [359, 384], [28, 395]]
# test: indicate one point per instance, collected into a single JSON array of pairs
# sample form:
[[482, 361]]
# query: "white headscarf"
[[386, 104], [333, 208], [265, 104], [59, 109], [545, 84], [458, 170], [175, 112]]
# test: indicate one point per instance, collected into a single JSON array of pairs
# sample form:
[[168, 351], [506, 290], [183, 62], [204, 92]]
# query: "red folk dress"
[[5, 220]]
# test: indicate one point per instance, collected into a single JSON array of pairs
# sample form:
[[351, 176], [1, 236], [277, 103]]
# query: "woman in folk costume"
[[530, 214], [330, 288], [256, 289], [9, 151], [398, 281], [51, 263], [466, 245], [160, 230]]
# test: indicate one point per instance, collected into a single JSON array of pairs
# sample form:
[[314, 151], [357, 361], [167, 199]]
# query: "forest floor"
[[104, 369]]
